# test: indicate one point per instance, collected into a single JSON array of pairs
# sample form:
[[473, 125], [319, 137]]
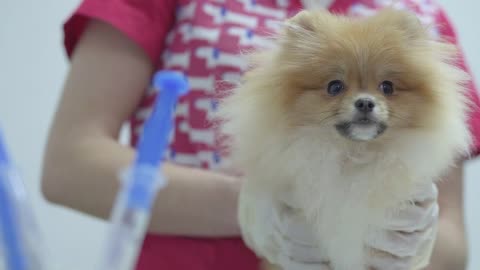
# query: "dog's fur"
[[281, 124]]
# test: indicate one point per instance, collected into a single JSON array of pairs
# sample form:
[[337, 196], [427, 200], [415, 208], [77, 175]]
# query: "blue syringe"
[[142, 180], [20, 240]]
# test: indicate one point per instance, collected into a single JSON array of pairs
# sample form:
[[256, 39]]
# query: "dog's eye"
[[335, 87], [386, 87]]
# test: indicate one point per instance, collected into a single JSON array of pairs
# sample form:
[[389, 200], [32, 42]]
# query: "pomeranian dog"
[[347, 116]]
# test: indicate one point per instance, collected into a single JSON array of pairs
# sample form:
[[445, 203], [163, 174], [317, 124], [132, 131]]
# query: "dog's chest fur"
[[344, 194]]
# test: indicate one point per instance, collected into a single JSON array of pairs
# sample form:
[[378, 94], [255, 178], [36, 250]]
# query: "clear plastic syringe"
[[20, 240], [142, 180]]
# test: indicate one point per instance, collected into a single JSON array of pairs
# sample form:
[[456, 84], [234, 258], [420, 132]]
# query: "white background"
[[32, 69]]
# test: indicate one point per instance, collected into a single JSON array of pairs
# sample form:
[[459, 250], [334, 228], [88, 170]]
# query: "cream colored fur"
[[345, 188]]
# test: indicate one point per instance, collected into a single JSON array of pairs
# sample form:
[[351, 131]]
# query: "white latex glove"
[[297, 243], [292, 243], [278, 233], [407, 238]]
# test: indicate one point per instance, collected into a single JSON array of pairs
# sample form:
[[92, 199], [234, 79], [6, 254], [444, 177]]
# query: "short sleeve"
[[448, 32], [146, 22]]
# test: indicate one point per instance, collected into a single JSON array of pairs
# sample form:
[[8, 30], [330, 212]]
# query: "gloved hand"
[[408, 234], [278, 233]]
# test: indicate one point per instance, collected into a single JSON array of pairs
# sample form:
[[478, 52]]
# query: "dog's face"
[[361, 77]]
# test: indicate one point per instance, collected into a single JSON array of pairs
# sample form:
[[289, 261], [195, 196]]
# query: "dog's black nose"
[[365, 105]]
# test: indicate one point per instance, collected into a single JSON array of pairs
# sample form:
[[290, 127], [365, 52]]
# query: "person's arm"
[[450, 251], [83, 157]]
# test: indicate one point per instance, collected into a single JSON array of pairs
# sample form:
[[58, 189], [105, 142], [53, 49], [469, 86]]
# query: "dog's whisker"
[[328, 117]]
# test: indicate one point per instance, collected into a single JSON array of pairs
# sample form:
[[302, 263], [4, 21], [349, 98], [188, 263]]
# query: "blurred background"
[[32, 68]]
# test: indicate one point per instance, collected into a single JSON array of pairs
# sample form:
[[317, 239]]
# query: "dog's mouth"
[[361, 128], [364, 121]]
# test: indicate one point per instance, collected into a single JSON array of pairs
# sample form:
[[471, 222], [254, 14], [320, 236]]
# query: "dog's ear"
[[308, 23], [405, 21], [301, 22]]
